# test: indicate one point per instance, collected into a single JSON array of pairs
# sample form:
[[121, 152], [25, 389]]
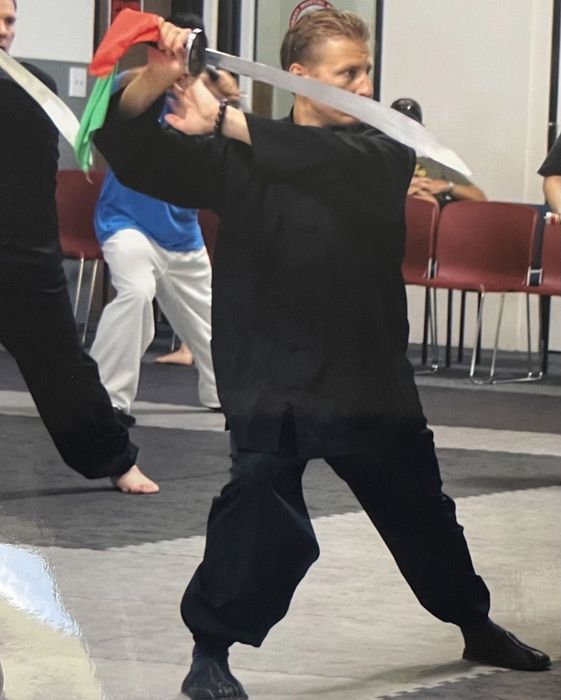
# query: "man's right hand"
[[194, 109], [167, 62], [166, 66]]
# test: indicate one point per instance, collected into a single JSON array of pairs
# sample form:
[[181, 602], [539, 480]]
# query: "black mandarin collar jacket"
[[309, 310]]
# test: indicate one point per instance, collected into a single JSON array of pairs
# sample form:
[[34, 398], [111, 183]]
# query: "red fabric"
[[129, 28]]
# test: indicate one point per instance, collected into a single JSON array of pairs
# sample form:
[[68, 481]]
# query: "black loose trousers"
[[260, 540], [36, 322], [37, 327]]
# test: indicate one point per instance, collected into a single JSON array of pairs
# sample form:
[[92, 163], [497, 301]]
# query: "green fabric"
[[92, 119]]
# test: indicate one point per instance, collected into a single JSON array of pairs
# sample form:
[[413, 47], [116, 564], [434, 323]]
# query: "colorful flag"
[[129, 28]]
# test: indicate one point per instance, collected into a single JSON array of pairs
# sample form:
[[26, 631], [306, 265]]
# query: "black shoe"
[[210, 678], [125, 419], [494, 646]]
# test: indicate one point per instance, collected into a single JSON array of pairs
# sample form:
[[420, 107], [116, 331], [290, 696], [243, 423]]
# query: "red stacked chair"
[[486, 247], [76, 197], [421, 220], [550, 282]]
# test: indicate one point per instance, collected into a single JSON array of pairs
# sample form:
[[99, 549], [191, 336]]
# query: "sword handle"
[[195, 58], [195, 53]]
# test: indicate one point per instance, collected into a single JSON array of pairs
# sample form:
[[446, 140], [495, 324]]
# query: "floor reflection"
[[43, 653]]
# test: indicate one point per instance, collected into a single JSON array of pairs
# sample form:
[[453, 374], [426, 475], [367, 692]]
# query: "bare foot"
[[183, 356], [134, 481]]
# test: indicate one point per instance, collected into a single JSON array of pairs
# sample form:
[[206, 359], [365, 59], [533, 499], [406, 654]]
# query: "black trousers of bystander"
[[37, 327]]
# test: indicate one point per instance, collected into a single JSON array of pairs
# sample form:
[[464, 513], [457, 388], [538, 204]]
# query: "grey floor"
[[91, 579]]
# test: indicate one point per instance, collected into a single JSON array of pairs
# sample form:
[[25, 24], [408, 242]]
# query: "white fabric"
[[181, 283]]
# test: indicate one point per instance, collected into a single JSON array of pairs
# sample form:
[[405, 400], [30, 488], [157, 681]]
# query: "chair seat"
[[470, 283], [552, 289], [412, 276], [80, 250]]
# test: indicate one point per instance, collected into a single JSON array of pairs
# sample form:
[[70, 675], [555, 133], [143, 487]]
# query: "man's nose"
[[365, 87]]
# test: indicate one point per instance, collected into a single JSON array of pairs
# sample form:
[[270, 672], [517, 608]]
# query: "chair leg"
[[430, 329], [491, 379], [79, 286], [461, 334], [448, 356], [105, 287], [433, 333], [478, 356], [424, 345], [90, 300], [531, 376], [474, 359], [497, 335], [545, 313]]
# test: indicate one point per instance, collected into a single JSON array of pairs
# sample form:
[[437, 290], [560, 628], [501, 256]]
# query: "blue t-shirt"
[[118, 207]]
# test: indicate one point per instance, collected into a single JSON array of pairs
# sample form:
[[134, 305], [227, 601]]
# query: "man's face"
[[342, 62], [7, 24]]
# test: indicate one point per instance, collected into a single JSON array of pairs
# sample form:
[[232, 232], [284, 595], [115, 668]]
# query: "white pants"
[[181, 283]]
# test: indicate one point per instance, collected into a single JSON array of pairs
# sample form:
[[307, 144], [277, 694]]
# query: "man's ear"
[[297, 69]]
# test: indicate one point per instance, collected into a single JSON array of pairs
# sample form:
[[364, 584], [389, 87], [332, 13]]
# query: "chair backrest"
[[421, 219], [76, 198], [485, 245], [551, 260], [208, 222]]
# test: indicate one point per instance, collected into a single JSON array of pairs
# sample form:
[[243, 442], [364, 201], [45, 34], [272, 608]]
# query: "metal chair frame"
[[76, 197], [421, 222], [477, 275]]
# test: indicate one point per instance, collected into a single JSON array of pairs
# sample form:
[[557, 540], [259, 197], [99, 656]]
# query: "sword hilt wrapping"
[[195, 58]]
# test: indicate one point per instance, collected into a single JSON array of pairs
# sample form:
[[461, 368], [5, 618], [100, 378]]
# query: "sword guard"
[[195, 58]]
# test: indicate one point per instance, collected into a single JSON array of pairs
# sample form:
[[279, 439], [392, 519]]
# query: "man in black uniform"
[[36, 322], [551, 171], [309, 341]]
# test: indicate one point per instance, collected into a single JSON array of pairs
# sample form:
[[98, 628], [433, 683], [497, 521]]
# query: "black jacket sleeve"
[[362, 167], [552, 164], [160, 161]]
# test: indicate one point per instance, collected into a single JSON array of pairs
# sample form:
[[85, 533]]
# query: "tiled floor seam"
[[149, 546]]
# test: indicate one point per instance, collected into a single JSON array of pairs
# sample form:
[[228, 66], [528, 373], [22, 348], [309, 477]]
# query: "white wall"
[[480, 69], [55, 30]]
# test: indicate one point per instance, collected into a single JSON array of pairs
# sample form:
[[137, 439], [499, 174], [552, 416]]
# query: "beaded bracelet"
[[220, 117]]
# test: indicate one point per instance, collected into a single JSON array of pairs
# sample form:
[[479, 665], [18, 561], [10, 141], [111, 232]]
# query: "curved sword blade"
[[389, 121], [60, 114]]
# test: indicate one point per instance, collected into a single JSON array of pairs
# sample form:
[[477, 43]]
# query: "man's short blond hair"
[[313, 28]]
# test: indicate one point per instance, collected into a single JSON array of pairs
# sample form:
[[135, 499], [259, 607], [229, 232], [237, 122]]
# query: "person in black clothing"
[[550, 170], [309, 341], [36, 322]]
